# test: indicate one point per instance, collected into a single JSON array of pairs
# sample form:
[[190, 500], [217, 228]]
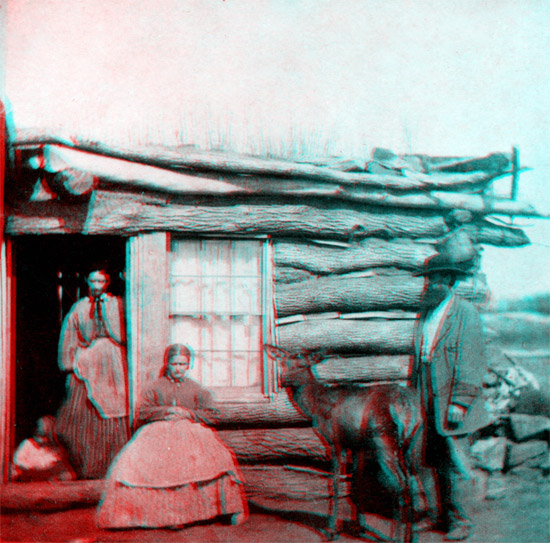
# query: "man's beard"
[[433, 297]]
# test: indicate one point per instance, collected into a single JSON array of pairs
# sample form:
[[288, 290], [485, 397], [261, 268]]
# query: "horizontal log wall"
[[278, 411], [282, 411], [272, 482], [369, 253], [362, 369], [357, 294], [319, 286], [349, 336], [129, 212], [263, 445]]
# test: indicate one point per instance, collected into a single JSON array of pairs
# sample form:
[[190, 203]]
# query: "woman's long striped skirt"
[[91, 440]]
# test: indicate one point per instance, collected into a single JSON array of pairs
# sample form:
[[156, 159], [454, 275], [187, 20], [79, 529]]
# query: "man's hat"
[[455, 254]]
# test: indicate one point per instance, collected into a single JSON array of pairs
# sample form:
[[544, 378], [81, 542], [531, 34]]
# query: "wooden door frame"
[[146, 325], [7, 322], [7, 360], [147, 311]]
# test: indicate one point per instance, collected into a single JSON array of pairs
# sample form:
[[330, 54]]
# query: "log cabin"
[[226, 253]]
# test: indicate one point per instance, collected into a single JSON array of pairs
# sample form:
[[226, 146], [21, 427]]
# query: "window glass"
[[220, 299]]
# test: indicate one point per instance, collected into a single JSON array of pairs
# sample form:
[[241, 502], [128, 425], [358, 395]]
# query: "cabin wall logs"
[[345, 276], [358, 301]]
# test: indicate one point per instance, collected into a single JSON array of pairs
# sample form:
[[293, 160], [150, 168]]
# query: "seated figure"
[[175, 470], [41, 457]]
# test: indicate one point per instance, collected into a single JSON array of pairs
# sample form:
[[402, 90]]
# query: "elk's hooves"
[[375, 535], [331, 536], [367, 536]]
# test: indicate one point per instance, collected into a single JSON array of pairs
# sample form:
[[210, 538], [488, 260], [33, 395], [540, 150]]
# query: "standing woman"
[[176, 470], [92, 423]]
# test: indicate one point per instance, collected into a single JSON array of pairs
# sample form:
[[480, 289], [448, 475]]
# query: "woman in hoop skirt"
[[175, 470]]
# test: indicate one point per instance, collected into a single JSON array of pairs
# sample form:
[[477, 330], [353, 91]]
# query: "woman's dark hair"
[[100, 269], [98, 265], [176, 349]]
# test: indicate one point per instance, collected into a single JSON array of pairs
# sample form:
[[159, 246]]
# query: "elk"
[[384, 420]]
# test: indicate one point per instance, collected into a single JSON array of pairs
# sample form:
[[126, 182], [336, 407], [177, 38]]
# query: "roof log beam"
[[128, 213], [255, 176]]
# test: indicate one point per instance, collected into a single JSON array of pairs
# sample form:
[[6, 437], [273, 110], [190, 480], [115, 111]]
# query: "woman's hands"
[[207, 415], [180, 413]]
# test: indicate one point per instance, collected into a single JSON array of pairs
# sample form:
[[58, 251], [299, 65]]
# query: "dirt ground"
[[522, 516]]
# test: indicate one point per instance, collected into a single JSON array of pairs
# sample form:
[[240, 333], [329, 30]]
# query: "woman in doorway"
[[92, 423], [176, 470]]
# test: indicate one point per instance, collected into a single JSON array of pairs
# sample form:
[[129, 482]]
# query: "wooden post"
[[515, 173], [7, 323], [7, 355], [147, 310]]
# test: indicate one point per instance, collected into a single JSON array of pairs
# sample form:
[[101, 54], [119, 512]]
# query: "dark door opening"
[[50, 277]]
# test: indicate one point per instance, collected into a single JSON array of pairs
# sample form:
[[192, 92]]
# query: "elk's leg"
[[417, 473], [367, 531], [393, 471], [334, 501], [407, 513]]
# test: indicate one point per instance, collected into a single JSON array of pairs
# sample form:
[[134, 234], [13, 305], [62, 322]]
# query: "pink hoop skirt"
[[170, 474]]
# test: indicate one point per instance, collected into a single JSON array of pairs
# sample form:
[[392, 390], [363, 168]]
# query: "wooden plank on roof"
[[128, 174], [190, 158]]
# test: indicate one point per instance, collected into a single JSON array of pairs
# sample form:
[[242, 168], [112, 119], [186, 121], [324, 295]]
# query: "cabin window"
[[221, 306]]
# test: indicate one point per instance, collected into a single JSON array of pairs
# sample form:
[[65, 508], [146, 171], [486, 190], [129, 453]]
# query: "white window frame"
[[269, 384]]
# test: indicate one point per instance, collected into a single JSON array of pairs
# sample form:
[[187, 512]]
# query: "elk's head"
[[295, 367]]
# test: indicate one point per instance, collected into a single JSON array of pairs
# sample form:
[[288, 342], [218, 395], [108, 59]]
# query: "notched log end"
[[74, 183]]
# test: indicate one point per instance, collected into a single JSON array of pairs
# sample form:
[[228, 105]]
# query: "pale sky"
[[436, 77]]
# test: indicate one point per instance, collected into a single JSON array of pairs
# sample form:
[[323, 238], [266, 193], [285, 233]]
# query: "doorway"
[[50, 273]]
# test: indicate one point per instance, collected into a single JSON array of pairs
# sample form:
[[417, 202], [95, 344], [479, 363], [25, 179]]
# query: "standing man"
[[92, 423], [449, 366]]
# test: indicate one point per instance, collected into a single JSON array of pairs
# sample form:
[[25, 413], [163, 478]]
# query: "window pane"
[[247, 296], [217, 309], [186, 257], [247, 368], [218, 295], [216, 258], [247, 258], [200, 368], [247, 333], [186, 295], [221, 369], [187, 330]]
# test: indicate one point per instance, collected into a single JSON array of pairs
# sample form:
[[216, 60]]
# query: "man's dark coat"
[[458, 364]]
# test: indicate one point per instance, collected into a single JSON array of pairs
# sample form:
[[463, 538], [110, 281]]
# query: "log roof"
[[409, 181], [61, 185]]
